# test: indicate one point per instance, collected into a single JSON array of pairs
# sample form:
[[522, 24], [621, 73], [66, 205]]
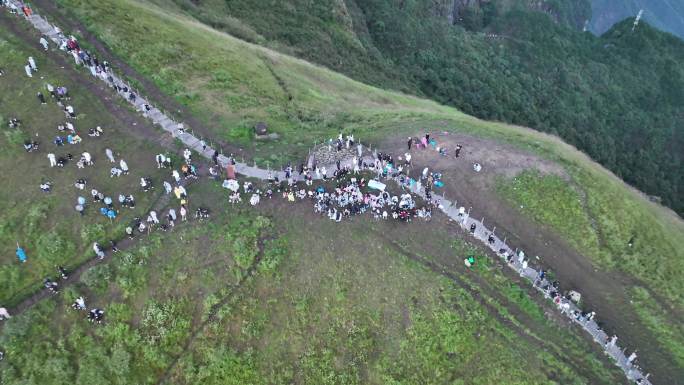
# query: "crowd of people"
[[349, 193], [68, 146], [352, 189]]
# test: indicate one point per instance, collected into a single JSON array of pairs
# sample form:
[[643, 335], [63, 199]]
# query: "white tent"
[[231, 184], [377, 185]]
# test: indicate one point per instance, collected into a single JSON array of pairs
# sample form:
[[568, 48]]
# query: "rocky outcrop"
[[342, 15], [451, 10]]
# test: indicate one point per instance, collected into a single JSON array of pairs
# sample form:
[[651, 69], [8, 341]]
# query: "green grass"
[[544, 197], [522, 298], [232, 85], [341, 312], [46, 225], [351, 310], [229, 84], [569, 85], [658, 320], [152, 303], [600, 222]]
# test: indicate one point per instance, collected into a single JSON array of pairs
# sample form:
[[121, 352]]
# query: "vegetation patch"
[[550, 200]]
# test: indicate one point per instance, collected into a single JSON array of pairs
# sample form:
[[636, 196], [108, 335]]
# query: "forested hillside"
[[666, 15], [272, 292], [516, 61]]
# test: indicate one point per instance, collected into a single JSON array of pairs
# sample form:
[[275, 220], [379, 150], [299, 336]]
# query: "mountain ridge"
[[619, 104], [666, 15]]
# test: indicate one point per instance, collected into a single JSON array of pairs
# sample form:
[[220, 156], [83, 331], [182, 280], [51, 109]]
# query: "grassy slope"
[[411, 325], [37, 220], [608, 96], [230, 84], [341, 312], [156, 294]]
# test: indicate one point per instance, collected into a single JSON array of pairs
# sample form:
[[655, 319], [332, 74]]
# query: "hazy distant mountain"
[[666, 15]]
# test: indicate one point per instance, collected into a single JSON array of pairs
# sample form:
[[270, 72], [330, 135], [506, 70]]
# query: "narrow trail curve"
[[481, 233], [143, 131], [211, 316], [75, 275]]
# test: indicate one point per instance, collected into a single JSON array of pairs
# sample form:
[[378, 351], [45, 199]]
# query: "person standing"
[[79, 304], [153, 216], [4, 314], [87, 158], [124, 166], [110, 155], [51, 89], [32, 63], [98, 251], [160, 158], [172, 217], [167, 187], [631, 358]]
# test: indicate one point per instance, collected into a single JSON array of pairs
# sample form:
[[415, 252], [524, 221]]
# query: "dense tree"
[[618, 97]]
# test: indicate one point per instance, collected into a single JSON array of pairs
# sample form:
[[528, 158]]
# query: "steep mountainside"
[[621, 251], [517, 61], [475, 14], [666, 15]]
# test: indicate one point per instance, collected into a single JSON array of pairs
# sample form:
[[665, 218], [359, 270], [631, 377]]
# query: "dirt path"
[[211, 316], [530, 236], [482, 290], [142, 129], [606, 292], [60, 16]]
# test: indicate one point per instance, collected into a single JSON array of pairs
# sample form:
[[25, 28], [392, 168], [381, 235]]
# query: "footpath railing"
[[514, 259]]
